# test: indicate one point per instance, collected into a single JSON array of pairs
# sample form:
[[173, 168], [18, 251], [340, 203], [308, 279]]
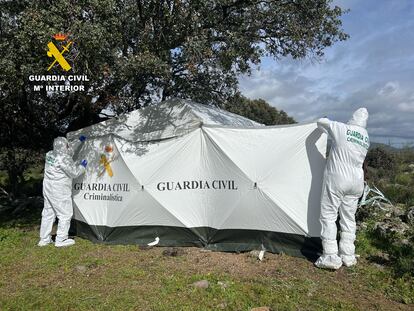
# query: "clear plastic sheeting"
[[168, 119], [372, 197]]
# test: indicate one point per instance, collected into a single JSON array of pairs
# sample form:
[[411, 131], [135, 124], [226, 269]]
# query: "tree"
[[136, 52], [258, 110]]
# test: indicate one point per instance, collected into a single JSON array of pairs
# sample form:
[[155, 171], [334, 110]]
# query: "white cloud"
[[390, 88], [374, 68], [407, 107]]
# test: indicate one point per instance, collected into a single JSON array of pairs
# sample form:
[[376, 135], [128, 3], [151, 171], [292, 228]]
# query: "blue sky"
[[374, 68]]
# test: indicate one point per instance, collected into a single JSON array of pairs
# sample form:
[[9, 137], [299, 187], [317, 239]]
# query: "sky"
[[374, 68]]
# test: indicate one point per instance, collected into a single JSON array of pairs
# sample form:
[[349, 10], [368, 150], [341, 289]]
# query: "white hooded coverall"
[[57, 190], [342, 187]]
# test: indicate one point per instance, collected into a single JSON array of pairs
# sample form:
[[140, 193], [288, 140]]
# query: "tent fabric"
[[196, 175], [169, 119]]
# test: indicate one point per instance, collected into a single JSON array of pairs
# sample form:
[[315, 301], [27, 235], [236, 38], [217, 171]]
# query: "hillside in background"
[[391, 147]]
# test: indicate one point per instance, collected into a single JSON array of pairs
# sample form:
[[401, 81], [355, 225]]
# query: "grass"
[[105, 277], [101, 277]]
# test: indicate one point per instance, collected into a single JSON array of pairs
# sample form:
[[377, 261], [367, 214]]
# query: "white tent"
[[195, 175]]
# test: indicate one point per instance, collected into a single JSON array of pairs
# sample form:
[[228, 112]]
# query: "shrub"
[[380, 158], [403, 179]]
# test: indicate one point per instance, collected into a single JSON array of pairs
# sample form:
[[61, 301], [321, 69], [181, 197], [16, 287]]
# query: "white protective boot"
[[330, 258], [44, 242], [347, 249], [64, 243]]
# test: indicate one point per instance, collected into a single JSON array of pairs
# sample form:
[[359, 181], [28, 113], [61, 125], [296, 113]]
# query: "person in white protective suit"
[[342, 187], [57, 192]]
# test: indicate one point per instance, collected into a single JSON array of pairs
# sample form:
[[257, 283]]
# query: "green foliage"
[[139, 52], [258, 110], [395, 244], [13, 164], [401, 260], [3, 179], [393, 173], [398, 193], [132, 50], [404, 179], [380, 158]]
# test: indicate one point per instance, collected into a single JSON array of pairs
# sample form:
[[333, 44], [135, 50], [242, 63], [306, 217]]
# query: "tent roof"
[[167, 119]]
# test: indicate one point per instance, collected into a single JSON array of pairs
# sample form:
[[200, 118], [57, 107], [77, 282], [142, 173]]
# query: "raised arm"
[[324, 125]]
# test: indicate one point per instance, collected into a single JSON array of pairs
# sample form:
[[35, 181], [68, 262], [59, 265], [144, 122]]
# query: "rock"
[[386, 206], [385, 256], [397, 211], [92, 265], [173, 252], [409, 216], [390, 226], [402, 228], [81, 269], [381, 228], [261, 309], [378, 266], [222, 306], [222, 284], [256, 255], [401, 243], [201, 284], [381, 259]]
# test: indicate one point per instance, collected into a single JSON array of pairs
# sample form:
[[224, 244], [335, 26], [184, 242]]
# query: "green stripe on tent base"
[[228, 240]]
